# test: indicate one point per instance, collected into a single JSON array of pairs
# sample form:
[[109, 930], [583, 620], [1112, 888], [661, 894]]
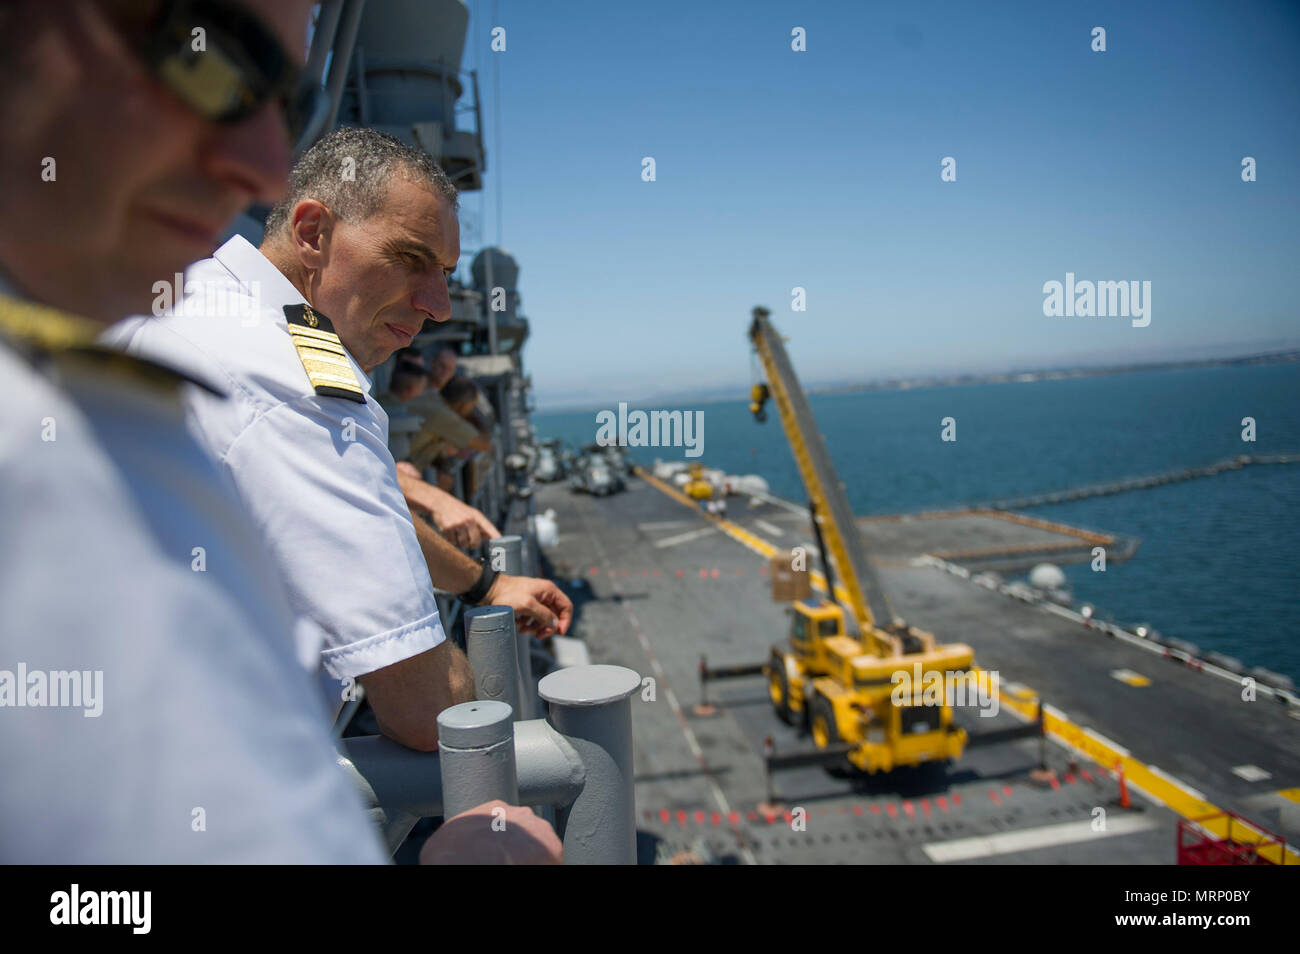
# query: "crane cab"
[[812, 621]]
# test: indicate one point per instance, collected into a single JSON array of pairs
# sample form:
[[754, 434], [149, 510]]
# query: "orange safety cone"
[[1123, 786]]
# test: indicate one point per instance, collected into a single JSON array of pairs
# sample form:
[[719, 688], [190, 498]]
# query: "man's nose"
[[433, 298], [252, 156]]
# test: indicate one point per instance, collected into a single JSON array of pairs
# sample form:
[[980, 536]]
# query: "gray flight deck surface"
[[660, 585]]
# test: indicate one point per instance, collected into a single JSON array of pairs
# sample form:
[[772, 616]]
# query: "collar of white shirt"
[[248, 265]]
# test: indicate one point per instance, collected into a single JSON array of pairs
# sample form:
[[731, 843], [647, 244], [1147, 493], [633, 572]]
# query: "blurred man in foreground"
[[155, 711]]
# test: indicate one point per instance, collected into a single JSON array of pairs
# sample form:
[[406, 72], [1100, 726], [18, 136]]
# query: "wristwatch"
[[479, 591]]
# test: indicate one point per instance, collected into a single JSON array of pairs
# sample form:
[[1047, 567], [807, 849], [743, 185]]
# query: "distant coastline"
[[738, 392], [1057, 374]]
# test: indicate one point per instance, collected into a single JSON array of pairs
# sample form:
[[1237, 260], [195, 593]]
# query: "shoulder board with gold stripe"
[[69, 340], [322, 354], [41, 328]]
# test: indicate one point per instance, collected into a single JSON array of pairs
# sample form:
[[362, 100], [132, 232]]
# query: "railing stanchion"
[[492, 647], [476, 746], [591, 706], [510, 551]]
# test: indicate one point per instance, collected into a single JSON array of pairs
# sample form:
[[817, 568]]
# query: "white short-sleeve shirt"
[[152, 709], [314, 471]]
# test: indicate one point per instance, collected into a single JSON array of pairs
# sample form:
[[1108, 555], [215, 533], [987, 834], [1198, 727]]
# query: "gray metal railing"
[[578, 760]]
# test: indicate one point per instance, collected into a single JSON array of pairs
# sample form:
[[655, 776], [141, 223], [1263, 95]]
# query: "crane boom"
[[866, 597]]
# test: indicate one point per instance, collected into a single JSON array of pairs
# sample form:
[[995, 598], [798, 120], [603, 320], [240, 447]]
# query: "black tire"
[[821, 722], [778, 690]]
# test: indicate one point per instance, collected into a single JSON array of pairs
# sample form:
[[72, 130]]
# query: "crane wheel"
[[822, 719]]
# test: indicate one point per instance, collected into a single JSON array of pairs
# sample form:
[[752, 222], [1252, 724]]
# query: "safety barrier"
[[577, 760]]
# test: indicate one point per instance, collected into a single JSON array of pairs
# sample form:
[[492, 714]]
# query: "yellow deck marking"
[[1159, 787], [1290, 794], [1130, 677]]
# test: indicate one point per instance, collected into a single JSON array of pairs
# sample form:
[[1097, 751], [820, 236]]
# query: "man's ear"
[[311, 228]]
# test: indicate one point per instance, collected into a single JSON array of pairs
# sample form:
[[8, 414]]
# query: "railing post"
[[510, 550], [476, 746], [493, 653], [591, 706]]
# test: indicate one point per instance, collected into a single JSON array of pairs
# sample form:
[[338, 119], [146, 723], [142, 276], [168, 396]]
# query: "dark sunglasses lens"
[[220, 59], [211, 84]]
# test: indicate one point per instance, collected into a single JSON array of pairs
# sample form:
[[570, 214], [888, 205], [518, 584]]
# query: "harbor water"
[[1219, 556]]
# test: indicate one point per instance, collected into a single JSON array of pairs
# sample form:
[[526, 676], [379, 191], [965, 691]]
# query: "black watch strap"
[[479, 591]]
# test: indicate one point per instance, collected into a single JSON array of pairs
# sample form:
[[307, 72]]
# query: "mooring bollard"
[[476, 747], [492, 647], [591, 706]]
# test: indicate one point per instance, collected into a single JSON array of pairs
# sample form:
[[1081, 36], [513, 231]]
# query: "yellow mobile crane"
[[841, 681]]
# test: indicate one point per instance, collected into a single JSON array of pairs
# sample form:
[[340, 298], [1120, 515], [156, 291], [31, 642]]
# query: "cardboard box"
[[788, 584]]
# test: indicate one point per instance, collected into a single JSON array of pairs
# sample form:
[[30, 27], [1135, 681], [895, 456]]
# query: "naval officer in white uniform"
[[151, 708], [355, 259]]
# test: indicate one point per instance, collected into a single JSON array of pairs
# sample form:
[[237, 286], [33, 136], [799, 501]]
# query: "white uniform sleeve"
[[323, 491]]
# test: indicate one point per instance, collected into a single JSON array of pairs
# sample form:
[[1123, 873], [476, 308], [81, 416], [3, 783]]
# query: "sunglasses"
[[238, 67]]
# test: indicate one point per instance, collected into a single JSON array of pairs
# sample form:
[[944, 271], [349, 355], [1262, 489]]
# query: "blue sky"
[[821, 169]]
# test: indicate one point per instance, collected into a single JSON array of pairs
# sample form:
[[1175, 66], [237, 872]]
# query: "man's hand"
[[458, 522], [540, 607], [493, 833]]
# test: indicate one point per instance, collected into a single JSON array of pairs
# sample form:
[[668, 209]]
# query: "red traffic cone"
[[1123, 786]]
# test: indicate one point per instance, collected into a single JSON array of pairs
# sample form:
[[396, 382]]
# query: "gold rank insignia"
[[69, 341], [42, 328], [322, 354]]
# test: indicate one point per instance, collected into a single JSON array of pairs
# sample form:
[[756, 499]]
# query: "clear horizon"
[[924, 379], [822, 170]]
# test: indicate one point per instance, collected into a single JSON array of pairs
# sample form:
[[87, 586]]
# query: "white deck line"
[[685, 537], [1114, 746], [778, 502], [1175, 782], [965, 849], [665, 525]]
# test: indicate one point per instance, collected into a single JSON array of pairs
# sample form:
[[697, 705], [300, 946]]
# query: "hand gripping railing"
[[578, 760]]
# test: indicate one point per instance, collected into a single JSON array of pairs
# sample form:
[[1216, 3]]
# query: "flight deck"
[[658, 584]]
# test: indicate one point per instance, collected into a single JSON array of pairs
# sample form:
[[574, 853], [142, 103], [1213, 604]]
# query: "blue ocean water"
[[1219, 556]]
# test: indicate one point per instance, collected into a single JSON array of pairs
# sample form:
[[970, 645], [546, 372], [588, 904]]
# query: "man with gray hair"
[[354, 260]]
